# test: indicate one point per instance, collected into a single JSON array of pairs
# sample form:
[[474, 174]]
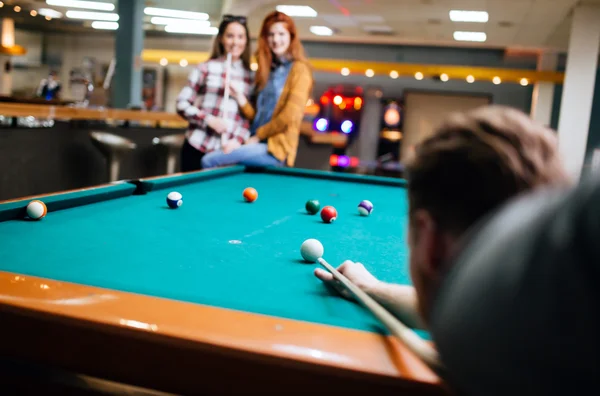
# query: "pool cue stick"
[[411, 339], [226, 94]]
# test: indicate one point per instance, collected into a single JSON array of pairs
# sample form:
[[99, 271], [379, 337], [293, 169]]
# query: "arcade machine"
[[340, 111], [390, 139]]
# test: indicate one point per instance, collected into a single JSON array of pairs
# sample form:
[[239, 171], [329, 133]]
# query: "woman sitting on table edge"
[[283, 82], [211, 119]]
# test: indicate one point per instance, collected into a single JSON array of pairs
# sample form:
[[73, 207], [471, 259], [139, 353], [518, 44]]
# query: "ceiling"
[[528, 24]]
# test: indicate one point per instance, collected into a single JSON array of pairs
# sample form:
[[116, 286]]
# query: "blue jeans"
[[249, 155]]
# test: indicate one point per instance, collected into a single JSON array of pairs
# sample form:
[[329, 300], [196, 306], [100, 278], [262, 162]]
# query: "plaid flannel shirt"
[[202, 98]]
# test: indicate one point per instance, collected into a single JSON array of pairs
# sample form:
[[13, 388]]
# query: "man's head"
[[473, 163]]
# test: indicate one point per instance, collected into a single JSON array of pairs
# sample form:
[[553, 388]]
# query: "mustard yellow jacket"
[[283, 131]]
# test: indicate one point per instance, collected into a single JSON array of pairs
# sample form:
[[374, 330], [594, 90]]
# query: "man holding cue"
[[483, 190]]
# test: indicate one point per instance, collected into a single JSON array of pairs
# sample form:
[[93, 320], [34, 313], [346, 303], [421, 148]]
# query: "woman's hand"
[[238, 95], [253, 140], [218, 124], [231, 146]]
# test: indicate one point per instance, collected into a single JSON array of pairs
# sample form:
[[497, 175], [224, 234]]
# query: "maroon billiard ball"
[[328, 214]]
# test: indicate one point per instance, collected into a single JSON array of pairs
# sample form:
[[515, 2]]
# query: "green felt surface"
[[219, 250]]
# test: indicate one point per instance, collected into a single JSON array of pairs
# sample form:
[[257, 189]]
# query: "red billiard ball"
[[328, 214]]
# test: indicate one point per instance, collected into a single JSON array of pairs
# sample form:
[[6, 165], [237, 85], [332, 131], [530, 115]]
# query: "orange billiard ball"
[[250, 194], [329, 214]]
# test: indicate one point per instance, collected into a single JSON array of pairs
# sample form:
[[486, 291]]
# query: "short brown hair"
[[476, 161]]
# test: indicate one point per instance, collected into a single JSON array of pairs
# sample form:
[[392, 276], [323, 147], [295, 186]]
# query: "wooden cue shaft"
[[411, 339]]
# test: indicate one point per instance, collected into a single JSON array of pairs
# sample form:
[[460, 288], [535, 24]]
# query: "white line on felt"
[[275, 223]]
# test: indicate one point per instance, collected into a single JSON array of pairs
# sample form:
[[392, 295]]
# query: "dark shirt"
[[519, 311]]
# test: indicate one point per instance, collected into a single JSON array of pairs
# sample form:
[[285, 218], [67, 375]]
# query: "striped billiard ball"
[[365, 207], [36, 209], [174, 200]]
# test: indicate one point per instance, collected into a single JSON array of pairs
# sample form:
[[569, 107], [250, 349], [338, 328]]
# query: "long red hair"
[[263, 52]]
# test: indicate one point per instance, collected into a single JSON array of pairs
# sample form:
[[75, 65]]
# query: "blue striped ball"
[[174, 200]]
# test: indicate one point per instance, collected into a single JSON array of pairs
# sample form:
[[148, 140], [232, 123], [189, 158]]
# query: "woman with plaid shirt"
[[200, 102]]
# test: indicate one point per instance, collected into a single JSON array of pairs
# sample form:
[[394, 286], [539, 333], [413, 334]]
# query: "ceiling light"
[[183, 63], [470, 36], [524, 82], [297, 11], [185, 29], [50, 13], [254, 66], [104, 25], [369, 73], [469, 16], [444, 77], [394, 74], [470, 79], [174, 21], [17, 9], [91, 5], [164, 12], [345, 71], [164, 61], [321, 30], [419, 75], [497, 80], [98, 16]]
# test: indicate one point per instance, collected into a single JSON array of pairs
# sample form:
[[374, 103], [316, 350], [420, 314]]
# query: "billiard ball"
[[250, 194], [365, 208], [174, 200], [328, 214], [36, 209], [311, 250], [312, 206]]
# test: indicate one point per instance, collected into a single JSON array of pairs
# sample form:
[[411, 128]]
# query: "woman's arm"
[[186, 98], [295, 105], [248, 111]]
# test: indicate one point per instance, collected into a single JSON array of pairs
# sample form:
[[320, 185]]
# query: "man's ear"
[[429, 242]]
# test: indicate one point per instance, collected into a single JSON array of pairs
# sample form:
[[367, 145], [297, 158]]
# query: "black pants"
[[191, 159]]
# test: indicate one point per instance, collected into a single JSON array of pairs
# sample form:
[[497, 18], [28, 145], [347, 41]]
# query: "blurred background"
[[386, 72]]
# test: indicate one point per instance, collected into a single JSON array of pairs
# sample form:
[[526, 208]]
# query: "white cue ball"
[[311, 250]]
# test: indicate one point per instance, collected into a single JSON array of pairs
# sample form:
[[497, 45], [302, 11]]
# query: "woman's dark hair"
[[218, 50]]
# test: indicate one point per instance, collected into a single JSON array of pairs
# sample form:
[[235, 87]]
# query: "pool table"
[[113, 287]]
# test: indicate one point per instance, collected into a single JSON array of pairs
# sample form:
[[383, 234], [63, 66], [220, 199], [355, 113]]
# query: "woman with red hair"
[[283, 84]]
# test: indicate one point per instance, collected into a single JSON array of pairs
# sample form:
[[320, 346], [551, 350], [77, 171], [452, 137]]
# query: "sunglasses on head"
[[234, 18]]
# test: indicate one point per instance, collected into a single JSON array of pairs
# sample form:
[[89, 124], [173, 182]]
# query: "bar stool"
[[172, 144], [113, 147]]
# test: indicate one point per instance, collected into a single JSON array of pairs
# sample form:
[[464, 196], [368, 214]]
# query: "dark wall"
[[508, 94], [44, 160], [420, 54]]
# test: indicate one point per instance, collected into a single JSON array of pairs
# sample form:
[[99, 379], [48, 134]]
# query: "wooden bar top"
[[150, 118], [81, 113]]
